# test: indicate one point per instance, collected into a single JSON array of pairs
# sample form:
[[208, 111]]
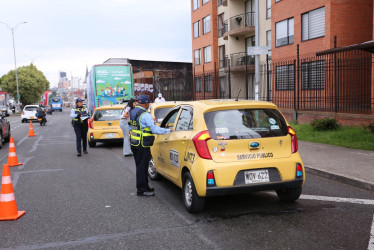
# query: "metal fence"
[[339, 82]]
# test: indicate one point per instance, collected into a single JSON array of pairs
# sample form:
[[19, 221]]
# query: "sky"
[[68, 35]]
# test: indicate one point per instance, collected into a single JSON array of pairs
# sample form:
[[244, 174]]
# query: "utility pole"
[[13, 29]]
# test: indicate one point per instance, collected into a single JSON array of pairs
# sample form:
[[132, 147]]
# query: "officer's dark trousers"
[[142, 157], [81, 135]]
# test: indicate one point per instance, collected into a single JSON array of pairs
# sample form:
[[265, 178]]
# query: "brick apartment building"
[[322, 55], [222, 33]]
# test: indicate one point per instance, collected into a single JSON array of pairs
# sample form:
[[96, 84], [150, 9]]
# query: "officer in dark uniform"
[[79, 116], [143, 128]]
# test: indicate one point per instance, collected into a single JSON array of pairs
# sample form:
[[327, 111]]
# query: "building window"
[[284, 32], [268, 38], [208, 83], [206, 24], [313, 24], [197, 84], [220, 2], [205, 1], [268, 9], [313, 75], [285, 77], [207, 54], [277, 0], [222, 56], [196, 29], [221, 25], [197, 57], [196, 4]]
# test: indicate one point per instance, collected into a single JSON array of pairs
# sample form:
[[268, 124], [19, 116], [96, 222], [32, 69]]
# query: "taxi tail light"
[[210, 178], [23, 112], [90, 123], [299, 170], [91, 135], [200, 142], [294, 145]]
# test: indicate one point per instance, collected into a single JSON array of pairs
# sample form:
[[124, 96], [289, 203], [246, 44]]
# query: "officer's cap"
[[78, 100], [143, 99]]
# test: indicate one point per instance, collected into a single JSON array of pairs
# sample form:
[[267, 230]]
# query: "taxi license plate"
[[256, 176], [109, 135], [31, 117]]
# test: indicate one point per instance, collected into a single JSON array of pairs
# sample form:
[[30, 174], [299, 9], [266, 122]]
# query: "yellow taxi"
[[160, 109], [104, 125], [222, 147]]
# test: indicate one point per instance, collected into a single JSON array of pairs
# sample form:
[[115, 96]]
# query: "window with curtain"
[[313, 24], [196, 29], [313, 75], [206, 24], [208, 83], [268, 9], [284, 32], [198, 84], [197, 57], [285, 77], [196, 4], [208, 54]]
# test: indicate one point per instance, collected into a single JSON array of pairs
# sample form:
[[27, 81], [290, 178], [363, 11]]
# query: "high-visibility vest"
[[140, 136], [84, 114]]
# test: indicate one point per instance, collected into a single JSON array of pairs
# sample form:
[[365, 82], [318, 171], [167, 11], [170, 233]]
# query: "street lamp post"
[[13, 29]]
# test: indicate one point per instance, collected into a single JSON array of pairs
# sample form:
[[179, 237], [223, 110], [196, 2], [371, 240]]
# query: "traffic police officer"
[[142, 137], [80, 115]]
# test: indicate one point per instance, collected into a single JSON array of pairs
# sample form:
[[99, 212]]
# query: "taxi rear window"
[[107, 115], [161, 113], [245, 124], [31, 108]]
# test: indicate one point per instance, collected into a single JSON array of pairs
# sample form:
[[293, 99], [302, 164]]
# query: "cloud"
[[71, 34]]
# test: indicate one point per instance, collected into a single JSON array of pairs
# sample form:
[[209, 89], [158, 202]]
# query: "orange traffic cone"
[[31, 131], [8, 205], [12, 157]]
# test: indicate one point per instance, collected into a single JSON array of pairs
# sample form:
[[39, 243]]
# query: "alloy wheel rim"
[[151, 168], [188, 192]]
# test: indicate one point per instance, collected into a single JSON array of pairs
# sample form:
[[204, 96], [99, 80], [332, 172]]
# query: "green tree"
[[31, 82]]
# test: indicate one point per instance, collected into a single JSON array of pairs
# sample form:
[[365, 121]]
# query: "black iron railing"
[[240, 59], [242, 20]]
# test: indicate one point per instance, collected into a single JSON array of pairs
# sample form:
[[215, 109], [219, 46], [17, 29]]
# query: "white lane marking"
[[364, 154], [371, 241], [36, 144], [23, 139], [337, 199]]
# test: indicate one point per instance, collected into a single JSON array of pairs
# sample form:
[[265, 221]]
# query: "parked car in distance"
[[104, 125], [5, 132], [28, 113]]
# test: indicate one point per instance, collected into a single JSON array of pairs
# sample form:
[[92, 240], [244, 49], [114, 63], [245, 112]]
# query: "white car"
[[28, 113]]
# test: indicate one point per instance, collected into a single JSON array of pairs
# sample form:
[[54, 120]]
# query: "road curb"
[[349, 181]]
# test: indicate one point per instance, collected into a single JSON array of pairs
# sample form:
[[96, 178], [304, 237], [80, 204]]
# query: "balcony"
[[243, 24], [238, 62]]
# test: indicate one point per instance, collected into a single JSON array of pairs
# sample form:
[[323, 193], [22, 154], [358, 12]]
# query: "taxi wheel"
[[1, 140], [192, 202], [289, 194], [91, 144], [152, 173]]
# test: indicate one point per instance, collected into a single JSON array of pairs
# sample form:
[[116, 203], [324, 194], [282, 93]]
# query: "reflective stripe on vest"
[[140, 136]]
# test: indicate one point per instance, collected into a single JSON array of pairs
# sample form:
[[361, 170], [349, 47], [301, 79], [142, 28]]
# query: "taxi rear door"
[[178, 140]]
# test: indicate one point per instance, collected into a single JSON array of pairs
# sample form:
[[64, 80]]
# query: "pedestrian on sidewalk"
[[124, 124], [79, 116], [142, 137]]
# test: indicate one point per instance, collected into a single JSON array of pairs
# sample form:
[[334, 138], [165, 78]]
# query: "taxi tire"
[[197, 202], [1, 140], [289, 194], [91, 144], [152, 174], [7, 139]]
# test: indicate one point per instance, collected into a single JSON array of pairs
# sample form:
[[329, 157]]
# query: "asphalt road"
[[90, 203]]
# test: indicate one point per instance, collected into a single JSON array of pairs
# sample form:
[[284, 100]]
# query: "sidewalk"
[[351, 166]]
